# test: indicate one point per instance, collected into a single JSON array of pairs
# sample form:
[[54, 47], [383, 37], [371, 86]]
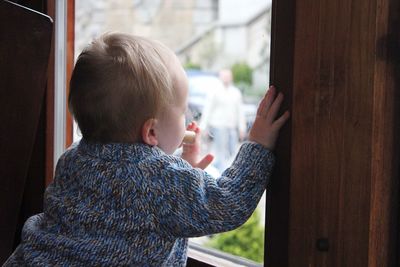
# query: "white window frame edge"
[[219, 258], [60, 73]]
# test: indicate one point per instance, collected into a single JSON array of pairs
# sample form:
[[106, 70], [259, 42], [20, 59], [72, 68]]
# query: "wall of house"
[[212, 33], [172, 22]]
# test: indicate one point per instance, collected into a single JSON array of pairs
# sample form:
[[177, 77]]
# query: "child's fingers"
[[193, 127], [268, 101], [261, 106], [205, 161], [190, 126], [282, 119], [196, 127], [273, 111]]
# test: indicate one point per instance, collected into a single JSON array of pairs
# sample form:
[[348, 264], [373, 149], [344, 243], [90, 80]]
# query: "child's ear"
[[148, 132]]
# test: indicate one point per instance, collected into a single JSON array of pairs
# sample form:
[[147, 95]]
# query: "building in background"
[[213, 34]]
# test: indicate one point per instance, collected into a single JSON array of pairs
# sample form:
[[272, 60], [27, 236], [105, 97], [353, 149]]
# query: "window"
[[207, 36]]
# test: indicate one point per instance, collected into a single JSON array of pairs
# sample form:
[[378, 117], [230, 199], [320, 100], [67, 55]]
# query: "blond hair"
[[118, 82]]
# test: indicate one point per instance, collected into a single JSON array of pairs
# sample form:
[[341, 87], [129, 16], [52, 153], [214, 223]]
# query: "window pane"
[[208, 36]]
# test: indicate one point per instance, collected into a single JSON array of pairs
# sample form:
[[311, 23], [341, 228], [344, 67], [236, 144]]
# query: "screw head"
[[322, 244]]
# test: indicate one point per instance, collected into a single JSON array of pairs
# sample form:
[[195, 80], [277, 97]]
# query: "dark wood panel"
[[32, 198], [38, 5], [354, 197], [344, 162], [384, 222], [304, 153], [24, 51], [196, 263], [277, 208], [49, 155]]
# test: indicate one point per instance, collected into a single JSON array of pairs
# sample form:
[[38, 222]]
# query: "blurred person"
[[223, 119]]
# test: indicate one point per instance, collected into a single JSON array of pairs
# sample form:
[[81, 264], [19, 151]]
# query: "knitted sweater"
[[134, 205]]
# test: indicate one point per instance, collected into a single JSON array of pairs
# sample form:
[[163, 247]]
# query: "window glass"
[[208, 36]]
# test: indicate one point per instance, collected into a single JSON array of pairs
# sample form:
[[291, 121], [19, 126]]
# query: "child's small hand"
[[191, 151], [266, 127]]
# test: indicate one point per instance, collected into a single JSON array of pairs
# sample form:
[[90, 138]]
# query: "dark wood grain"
[[384, 222], [49, 156], [70, 66], [24, 51], [342, 169], [277, 208]]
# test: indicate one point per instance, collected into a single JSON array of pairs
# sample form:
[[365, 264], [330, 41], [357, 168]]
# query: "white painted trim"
[[60, 70], [215, 257]]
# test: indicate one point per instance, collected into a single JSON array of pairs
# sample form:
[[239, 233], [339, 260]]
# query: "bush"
[[192, 66], [242, 73], [246, 241]]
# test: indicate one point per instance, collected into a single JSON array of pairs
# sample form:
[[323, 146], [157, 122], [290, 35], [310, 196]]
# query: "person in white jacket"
[[223, 118]]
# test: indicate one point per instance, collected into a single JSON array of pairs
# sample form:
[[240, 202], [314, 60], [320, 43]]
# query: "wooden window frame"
[[277, 206], [305, 62], [50, 97]]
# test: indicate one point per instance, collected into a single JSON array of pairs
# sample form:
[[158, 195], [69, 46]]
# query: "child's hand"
[[191, 151], [266, 128]]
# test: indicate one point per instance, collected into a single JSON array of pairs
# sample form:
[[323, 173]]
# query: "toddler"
[[119, 197]]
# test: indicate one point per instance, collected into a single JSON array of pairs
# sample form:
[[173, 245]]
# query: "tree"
[[242, 73], [243, 79]]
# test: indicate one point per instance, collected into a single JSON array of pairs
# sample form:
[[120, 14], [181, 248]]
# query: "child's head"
[[129, 89]]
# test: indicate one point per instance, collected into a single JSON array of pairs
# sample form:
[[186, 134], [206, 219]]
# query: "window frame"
[[59, 123], [283, 19]]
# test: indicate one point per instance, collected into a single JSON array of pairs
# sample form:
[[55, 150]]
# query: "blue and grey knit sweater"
[[133, 205]]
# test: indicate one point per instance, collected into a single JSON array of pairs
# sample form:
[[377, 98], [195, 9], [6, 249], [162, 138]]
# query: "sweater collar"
[[119, 151]]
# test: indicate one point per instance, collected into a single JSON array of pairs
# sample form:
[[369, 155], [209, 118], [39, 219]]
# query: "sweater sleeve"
[[189, 202]]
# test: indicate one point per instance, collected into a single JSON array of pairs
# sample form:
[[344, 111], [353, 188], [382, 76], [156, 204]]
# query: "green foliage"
[[246, 241], [243, 79], [250, 93], [191, 65], [242, 73]]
